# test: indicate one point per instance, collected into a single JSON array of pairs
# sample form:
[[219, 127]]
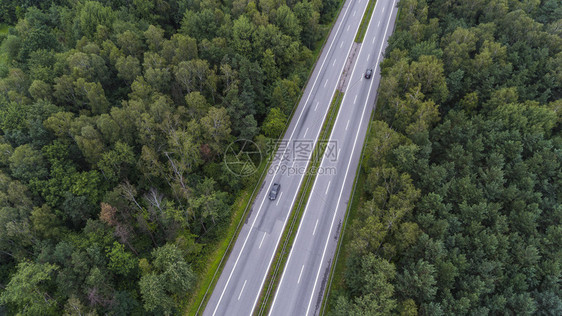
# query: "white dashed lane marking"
[[243, 286], [316, 225], [262, 239], [299, 280]]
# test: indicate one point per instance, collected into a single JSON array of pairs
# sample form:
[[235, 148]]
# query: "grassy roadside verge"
[[289, 234], [365, 21], [337, 270], [195, 303], [223, 246]]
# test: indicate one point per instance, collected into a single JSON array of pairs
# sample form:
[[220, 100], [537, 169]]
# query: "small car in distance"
[[274, 191], [368, 73]]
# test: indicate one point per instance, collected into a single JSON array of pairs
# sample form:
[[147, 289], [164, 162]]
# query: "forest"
[[460, 208], [114, 118]]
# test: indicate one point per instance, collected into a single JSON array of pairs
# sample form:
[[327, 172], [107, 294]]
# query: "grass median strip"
[[365, 22], [295, 216]]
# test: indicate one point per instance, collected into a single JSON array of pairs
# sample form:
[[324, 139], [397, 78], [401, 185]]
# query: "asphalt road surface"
[[239, 285], [305, 274]]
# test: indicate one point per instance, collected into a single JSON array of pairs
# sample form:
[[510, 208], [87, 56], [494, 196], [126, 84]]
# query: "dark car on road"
[[274, 191], [368, 73]]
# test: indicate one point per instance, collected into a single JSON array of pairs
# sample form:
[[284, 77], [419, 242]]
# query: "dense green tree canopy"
[[114, 119], [460, 205]]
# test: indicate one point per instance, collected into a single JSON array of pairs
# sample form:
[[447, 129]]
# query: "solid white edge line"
[[352, 151], [298, 230], [242, 290], [299, 280], [316, 139], [271, 182], [262, 239]]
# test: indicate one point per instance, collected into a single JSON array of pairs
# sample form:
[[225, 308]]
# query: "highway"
[[305, 274], [244, 273]]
